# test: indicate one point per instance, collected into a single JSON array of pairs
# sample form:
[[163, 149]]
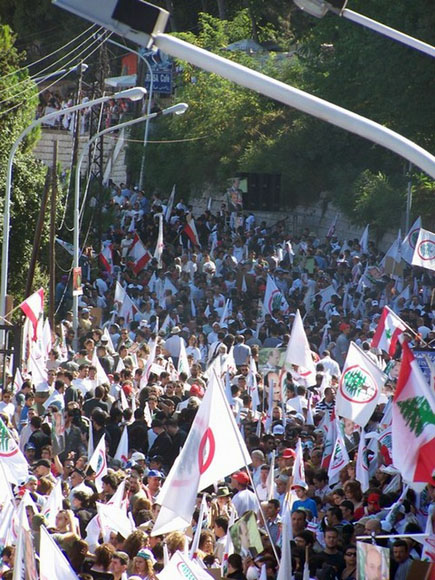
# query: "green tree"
[[28, 174]]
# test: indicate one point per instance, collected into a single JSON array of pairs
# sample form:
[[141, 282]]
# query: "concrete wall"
[[44, 151]]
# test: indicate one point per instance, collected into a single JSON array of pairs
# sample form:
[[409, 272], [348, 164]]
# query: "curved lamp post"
[[177, 109], [319, 8], [133, 94]]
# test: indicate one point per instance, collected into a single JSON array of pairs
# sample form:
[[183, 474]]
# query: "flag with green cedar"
[[413, 433]]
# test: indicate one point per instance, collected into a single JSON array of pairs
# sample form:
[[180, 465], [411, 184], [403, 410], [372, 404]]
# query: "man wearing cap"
[[303, 501], [245, 499], [154, 481]]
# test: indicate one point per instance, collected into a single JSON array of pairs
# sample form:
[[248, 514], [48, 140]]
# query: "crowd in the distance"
[[184, 298]]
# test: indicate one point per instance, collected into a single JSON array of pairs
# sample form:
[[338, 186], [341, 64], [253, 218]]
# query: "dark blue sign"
[[161, 66]]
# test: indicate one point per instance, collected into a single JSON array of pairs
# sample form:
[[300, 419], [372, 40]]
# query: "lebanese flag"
[[390, 327], [190, 230], [106, 257], [138, 254], [122, 449], [33, 308], [213, 449], [413, 433]]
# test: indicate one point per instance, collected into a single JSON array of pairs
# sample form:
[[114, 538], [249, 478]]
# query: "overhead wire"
[[56, 80], [39, 73], [50, 54]]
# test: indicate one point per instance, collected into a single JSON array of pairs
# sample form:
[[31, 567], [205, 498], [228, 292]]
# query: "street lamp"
[[149, 103], [177, 109], [82, 67], [134, 94], [319, 8]]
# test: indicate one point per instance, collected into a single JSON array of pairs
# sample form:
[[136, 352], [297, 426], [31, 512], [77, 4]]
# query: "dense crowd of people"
[[201, 299]]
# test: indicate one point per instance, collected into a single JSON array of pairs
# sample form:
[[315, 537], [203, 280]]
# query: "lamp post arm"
[[310, 104], [387, 31]]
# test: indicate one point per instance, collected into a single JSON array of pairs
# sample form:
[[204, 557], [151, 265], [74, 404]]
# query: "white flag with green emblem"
[[273, 298], [12, 459], [424, 252], [359, 388]]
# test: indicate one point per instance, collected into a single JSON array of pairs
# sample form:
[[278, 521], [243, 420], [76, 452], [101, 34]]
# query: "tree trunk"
[[222, 9]]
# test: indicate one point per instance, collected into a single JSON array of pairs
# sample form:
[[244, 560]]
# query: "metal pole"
[[175, 109], [298, 99], [149, 103], [131, 93], [389, 32], [408, 201], [52, 281]]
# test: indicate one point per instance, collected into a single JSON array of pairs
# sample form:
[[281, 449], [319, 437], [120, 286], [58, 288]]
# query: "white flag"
[[299, 467], [364, 241], [273, 298], [113, 518], [327, 294], [170, 205], [285, 567], [24, 561], [203, 514], [339, 459], [424, 253], [122, 449], [213, 449], [183, 363], [180, 567], [159, 246], [53, 505], [360, 387], [100, 376], [299, 352], [408, 244], [98, 463], [12, 459], [362, 468], [52, 563]]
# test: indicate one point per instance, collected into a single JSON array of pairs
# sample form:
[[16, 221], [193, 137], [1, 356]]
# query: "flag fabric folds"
[[213, 449], [360, 387], [408, 244], [390, 327], [299, 352], [52, 563], [33, 308], [424, 252], [98, 463], [413, 425]]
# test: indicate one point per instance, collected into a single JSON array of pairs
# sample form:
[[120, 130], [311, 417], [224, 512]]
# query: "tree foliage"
[[28, 174]]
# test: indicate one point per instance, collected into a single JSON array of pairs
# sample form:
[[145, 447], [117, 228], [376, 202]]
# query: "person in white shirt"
[[262, 488], [329, 364], [6, 405], [245, 499]]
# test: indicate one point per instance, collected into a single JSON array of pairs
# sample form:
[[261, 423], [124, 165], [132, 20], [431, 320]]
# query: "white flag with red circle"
[[424, 253]]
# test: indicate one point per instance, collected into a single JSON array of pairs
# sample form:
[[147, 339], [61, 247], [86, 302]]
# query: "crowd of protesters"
[[181, 296]]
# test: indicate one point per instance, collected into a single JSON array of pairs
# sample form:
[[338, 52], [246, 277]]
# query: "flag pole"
[[237, 433], [409, 328]]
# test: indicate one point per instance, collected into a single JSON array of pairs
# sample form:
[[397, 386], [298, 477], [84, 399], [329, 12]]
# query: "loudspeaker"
[[264, 192]]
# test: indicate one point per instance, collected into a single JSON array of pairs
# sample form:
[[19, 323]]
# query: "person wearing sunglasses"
[[349, 572]]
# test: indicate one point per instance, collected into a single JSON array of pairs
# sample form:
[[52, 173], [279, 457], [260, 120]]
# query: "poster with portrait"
[[245, 535], [373, 562], [271, 365]]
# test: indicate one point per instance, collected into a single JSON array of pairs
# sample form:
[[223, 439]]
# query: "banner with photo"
[[373, 562], [245, 535]]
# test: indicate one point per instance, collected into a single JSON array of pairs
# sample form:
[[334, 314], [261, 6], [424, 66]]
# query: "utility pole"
[[38, 232], [52, 283]]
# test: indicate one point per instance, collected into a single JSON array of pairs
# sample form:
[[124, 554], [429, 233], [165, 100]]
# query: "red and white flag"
[[390, 327], [408, 244], [424, 253], [299, 352], [190, 230], [33, 308], [98, 463], [327, 294], [138, 255], [106, 259], [12, 459], [413, 433], [360, 387], [213, 449], [122, 449]]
